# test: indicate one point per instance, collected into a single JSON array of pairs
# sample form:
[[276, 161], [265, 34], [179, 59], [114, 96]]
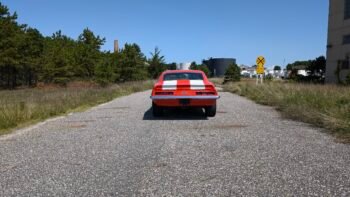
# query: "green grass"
[[22, 107], [326, 106]]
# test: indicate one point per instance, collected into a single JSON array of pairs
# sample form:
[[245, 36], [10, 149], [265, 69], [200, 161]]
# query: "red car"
[[184, 89]]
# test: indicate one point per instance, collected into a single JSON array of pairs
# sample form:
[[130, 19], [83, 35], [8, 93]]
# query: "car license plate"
[[184, 101]]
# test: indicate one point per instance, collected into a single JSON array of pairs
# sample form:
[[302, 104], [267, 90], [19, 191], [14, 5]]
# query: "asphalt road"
[[119, 149]]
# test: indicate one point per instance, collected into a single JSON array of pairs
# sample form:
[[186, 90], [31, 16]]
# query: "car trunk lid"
[[184, 85]]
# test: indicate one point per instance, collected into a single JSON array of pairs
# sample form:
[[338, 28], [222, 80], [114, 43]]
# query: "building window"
[[346, 39], [347, 9], [345, 65]]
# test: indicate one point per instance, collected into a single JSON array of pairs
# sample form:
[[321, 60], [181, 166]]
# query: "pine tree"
[[105, 72], [156, 64], [233, 73], [11, 35], [58, 59], [205, 69], [31, 52], [88, 53], [132, 63]]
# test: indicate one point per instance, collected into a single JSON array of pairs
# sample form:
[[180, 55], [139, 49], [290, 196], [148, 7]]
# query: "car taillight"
[[164, 93], [209, 87]]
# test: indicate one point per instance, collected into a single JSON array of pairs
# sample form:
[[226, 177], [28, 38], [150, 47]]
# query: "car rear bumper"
[[185, 97], [184, 101]]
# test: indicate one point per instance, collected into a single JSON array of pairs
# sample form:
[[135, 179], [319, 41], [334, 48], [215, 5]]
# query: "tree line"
[[316, 69], [27, 57]]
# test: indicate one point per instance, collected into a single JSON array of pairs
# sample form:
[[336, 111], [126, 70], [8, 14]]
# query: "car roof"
[[182, 71]]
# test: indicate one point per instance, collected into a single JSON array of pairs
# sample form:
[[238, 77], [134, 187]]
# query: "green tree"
[[11, 35], [88, 38], [105, 71], [88, 53], [233, 73], [194, 66], [277, 68], [205, 69], [298, 63], [31, 50], [132, 63], [171, 66], [347, 79], [156, 64], [27, 57], [317, 67], [58, 59]]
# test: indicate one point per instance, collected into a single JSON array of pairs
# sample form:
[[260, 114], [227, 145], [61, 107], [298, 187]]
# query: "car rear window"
[[183, 76]]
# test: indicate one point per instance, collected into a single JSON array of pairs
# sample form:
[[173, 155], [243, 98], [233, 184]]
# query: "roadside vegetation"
[[28, 58], [45, 76], [315, 68], [232, 74], [217, 81], [39, 74], [326, 106], [202, 67], [22, 107]]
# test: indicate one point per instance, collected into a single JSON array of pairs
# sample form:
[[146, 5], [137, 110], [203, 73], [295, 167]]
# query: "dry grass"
[[217, 81], [22, 107], [326, 106]]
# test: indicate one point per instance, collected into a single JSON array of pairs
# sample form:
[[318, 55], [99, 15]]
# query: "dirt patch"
[[105, 117], [77, 126], [230, 126], [160, 165], [48, 86], [221, 112], [208, 178], [7, 167], [343, 139], [80, 121], [114, 108], [229, 148], [221, 126], [83, 84]]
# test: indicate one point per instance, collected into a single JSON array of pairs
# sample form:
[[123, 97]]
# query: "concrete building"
[[116, 46], [248, 71], [338, 46], [183, 66], [218, 66]]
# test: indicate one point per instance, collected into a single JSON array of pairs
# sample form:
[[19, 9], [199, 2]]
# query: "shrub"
[[233, 74], [63, 81], [347, 80], [268, 77]]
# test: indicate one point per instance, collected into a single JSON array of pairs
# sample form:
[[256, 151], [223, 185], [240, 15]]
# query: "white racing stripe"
[[170, 85], [197, 85]]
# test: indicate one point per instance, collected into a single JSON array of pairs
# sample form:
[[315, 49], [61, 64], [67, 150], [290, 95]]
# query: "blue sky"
[[191, 30]]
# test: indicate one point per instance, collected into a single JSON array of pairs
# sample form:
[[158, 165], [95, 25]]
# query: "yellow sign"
[[260, 70], [260, 62]]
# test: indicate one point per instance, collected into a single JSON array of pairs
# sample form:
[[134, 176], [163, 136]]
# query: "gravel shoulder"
[[119, 149]]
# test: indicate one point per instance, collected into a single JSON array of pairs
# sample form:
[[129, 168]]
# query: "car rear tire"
[[210, 111], [156, 110]]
